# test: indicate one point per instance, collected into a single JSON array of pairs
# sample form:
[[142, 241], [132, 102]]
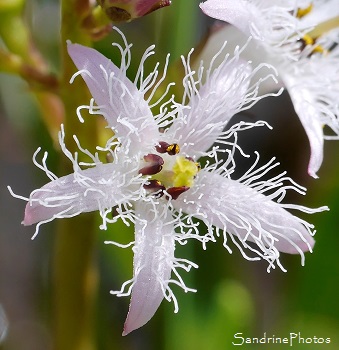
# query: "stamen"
[[175, 175], [156, 187], [175, 192], [307, 40], [302, 12], [155, 167], [171, 149]]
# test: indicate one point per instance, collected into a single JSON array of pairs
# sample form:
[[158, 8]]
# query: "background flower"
[[284, 29]]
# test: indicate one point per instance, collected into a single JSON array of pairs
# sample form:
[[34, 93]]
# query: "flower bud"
[[127, 10]]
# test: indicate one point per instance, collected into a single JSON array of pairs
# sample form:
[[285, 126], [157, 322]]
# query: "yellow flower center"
[[169, 172], [185, 170]]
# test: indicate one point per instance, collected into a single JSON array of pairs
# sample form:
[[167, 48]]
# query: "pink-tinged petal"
[[247, 214], [240, 13], [119, 100], [87, 190], [153, 257]]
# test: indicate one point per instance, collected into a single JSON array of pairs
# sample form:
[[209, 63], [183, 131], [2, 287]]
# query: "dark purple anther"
[[171, 149], [175, 192], [155, 164], [162, 147], [156, 187]]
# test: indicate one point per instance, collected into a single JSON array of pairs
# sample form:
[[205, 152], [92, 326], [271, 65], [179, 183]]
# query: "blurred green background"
[[234, 295]]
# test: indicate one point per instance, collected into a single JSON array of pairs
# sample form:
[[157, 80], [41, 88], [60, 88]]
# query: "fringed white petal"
[[237, 209], [199, 124], [118, 99], [87, 190], [227, 91], [97, 187], [153, 258]]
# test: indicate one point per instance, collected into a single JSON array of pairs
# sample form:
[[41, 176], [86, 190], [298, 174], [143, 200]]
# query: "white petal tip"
[[313, 174]]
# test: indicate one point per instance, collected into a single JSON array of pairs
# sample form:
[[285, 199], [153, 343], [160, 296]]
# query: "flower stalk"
[[75, 277], [75, 284]]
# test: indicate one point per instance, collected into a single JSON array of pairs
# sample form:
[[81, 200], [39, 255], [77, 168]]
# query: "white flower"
[[299, 38], [155, 182]]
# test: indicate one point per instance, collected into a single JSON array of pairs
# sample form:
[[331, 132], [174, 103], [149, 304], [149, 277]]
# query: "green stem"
[[176, 23], [75, 277], [75, 282]]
